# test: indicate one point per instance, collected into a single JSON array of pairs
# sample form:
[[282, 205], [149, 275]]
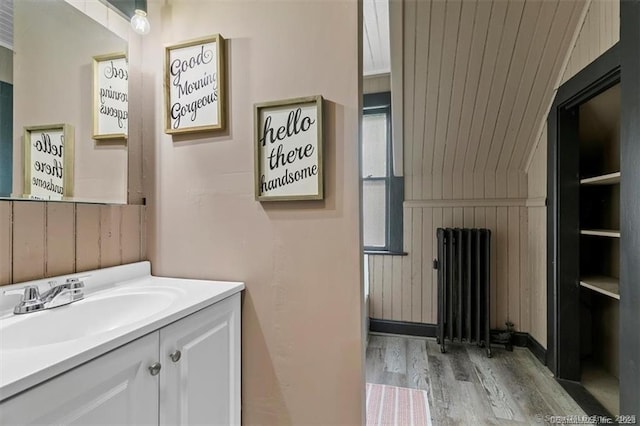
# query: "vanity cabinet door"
[[114, 389], [201, 382]]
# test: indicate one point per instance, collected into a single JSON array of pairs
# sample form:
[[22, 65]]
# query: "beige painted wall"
[[599, 31], [45, 239], [52, 84], [302, 345]]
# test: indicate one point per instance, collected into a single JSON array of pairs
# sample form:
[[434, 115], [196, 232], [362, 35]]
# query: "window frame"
[[380, 103]]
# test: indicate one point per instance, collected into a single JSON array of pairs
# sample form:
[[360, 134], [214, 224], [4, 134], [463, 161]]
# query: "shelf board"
[[613, 233], [608, 179], [608, 286]]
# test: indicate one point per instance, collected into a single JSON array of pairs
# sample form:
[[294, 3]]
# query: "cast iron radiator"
[[463, 286]]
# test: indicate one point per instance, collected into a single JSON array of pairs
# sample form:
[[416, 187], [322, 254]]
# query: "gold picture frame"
[[110, 96], [295, 168], [194, 85], [43, 178]]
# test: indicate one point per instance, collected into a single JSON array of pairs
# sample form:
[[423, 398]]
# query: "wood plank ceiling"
[[375, 49], [479, 77]]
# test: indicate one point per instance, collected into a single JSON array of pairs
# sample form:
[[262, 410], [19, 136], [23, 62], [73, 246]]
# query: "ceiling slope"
[[479, 77]]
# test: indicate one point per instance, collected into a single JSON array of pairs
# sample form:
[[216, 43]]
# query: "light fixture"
[[140, 23]]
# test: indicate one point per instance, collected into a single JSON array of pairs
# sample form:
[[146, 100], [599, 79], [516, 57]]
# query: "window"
[[382, 192]]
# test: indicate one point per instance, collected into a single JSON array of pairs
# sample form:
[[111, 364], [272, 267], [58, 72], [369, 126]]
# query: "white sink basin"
[[121, 304], [96, 314]]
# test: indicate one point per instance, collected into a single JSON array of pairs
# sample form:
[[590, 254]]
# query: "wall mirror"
[[52, 85]]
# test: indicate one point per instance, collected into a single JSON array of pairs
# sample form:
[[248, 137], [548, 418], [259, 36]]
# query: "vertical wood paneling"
[[491, 50], [499, 81], [375, 293], [427, 257], [372, 296], [451, 34], [6, 208], [463, 53], [407, 264], [525, 291], [430, 180], [542, 89], [491, 223], [530, 19], [143, 233], [600, 31], [110, 248], [376, 84], [437, 223], [44, 239], [527, 80], [537, 267], [28, 240], [87, 237], [396, 312], [387, 287], [477, 77], [416, 267], [474, 68], [130, 239], [421, 36], [458, 217], [409, 80], [502, 267], [60, 239], [513, 265]]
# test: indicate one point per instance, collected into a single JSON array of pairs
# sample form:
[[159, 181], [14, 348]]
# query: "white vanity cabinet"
[[114, 389], [200, 377], [198, 381]]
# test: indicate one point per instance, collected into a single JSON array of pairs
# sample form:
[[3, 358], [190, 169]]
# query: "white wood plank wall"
[[599, 32], [478, 79], [376, 83], [404, 288]]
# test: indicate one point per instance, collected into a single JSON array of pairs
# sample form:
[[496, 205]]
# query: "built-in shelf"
[[609, 179], [602, 385], [608, 286], [601, 232]]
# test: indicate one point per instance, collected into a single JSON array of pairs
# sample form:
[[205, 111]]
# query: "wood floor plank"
[[417, 366], [461, 364], [395, 356], [464, 386], [502, 403]]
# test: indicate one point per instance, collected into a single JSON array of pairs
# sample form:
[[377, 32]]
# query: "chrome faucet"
[[57, 295]]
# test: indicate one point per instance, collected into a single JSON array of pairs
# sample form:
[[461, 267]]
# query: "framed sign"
[[288, 150], [110, 96], [48, 162], [194, 86]]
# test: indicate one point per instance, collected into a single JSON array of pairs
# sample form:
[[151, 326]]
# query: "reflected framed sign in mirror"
[[52, 77], [48, 162], [194, 86], [110, 96]]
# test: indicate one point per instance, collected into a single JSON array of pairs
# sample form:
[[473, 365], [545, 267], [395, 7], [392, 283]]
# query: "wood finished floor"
[[464, 386]]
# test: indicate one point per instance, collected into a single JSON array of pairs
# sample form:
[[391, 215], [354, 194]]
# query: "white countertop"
[[23, 368]]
